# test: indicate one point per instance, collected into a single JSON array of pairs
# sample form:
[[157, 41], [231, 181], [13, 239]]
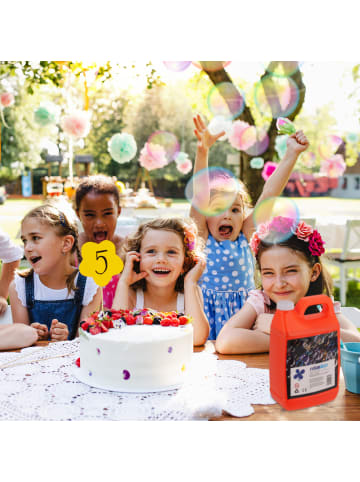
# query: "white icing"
[[136, 358]]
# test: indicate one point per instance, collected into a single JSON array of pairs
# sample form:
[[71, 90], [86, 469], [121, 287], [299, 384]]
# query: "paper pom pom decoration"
[[157, 158], [235, 138], [334, 166], [280, 145], [352, 137], [77, 124], [122, 147], [285, 126], [183, 163], [269, 168], [6, 99], [44, 115], [219, 124], [257, 163]]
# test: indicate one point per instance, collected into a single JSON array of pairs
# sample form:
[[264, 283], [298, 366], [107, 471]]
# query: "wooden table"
[[346, 406]]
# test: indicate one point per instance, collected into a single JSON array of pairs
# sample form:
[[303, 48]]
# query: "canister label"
[[312, 364]]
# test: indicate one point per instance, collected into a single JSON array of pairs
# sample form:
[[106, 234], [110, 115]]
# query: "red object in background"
[[304, 355], [307, 184]]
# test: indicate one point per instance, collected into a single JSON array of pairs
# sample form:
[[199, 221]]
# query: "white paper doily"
[[39, 384]]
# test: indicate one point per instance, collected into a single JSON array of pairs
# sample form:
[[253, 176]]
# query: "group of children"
[[202, 266]]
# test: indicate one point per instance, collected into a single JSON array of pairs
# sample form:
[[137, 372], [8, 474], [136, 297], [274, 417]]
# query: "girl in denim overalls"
[[229, 273], [52, 296]]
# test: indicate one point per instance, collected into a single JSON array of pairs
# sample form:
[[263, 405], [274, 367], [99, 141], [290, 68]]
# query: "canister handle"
[[304, 303]]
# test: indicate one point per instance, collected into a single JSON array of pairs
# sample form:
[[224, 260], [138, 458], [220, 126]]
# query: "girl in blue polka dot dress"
[[229, 274]]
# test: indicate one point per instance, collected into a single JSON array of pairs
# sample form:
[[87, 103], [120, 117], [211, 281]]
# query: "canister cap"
[[285, 305]]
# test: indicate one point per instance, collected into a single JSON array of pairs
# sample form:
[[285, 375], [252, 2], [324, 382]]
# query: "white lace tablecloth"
[[40, 383]]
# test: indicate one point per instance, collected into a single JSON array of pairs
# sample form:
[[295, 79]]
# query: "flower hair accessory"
[[190, 237], [271, 230]]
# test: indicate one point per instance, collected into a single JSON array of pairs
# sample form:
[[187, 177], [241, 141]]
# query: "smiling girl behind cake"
[[163, 263], [52, 295]]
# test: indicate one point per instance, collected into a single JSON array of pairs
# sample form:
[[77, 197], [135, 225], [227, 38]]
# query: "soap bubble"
[[165, 140], [260, 142], [329, 145], [177, 66], [308, 158], [283, 68], [276, 96], [284, 210], [222, 185], [211, 65], [226, 100]]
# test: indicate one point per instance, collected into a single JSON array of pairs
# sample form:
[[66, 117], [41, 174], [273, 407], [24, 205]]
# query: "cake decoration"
[[102, 321], [126, 374]]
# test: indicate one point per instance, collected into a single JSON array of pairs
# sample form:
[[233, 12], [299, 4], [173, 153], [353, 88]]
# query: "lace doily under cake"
[[41, 384]]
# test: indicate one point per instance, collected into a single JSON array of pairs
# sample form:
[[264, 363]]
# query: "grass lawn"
[[13, 210]]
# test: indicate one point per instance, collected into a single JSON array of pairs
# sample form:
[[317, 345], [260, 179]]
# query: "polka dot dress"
[[226, 281], [109, 291]]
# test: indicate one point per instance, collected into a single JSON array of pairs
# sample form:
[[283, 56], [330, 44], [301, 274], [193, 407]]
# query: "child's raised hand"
[[129, 275], [58, 331], [205, 139], [297, 142], [196, 271], [42, 331]]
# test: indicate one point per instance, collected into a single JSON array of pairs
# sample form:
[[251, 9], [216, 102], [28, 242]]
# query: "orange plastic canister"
[[304, 355]]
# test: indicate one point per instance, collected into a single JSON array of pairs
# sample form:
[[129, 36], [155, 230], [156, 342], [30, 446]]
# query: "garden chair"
[[348, 258]]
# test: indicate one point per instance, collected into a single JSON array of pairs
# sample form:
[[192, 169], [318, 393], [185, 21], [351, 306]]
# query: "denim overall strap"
[[29, 290]]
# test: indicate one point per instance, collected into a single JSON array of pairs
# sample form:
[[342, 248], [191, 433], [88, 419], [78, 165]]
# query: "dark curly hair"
[[99, 184]]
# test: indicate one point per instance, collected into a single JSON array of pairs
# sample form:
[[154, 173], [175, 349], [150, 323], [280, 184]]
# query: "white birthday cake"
[[139, 351]]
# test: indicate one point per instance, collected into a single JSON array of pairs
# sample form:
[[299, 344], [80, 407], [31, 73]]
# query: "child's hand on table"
[[58, 331]]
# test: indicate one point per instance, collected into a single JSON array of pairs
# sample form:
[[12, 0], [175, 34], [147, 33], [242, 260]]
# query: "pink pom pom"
[[157, 158], [77, 124], [185, 166], [269, 168], [334, 166], [6, 99]]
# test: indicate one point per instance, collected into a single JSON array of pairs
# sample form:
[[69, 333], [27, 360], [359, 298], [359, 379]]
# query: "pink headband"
[[278, 225]]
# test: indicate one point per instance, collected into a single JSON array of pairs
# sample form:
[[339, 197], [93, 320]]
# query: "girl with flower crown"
[[288, 259], [229, 274], [163, 263]]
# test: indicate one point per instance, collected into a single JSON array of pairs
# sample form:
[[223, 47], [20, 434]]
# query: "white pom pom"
[[218, 124]]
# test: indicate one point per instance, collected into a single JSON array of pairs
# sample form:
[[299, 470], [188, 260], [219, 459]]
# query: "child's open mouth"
[[161, 271], [225, 231], [100, 236], [35, 259]]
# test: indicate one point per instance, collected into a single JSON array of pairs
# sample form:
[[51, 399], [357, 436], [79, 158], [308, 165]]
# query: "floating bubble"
[[286, 214], [308, 158], [219, 124], [226, 100], [257, 141], [283, 68], [177, 66], [329, 145], [257, 163], [220, 183], [165, 140], [276, 96], [211, 65]]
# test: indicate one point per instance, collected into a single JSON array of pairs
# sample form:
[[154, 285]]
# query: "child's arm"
[[17, 336], [205, 141], [194, 303], [274, 186], [20, 314], [348, 331], [7, 275], [94, 305], [124, 292], [237, 337]]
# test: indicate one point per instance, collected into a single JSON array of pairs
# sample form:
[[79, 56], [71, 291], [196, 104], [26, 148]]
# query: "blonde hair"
[[175, 225], [56, 219]]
